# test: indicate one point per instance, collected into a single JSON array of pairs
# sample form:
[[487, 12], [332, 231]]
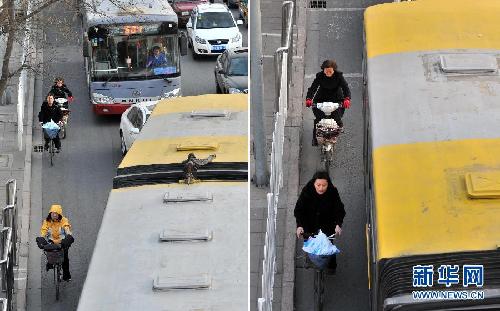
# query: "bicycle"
[[63, 105], [327, 131], [55, 257], [320, 264], [52, 148]]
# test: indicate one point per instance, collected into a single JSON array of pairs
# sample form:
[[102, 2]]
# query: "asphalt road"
[[198, 75], [337, 32], [81, 177]]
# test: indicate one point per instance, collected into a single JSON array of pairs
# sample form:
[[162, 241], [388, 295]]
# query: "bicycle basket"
[[327, 130], [55, 256], [320, 261], [51, 129]]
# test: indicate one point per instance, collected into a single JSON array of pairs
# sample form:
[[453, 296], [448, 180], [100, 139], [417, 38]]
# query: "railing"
[[283, 65], [8, 249], [3, 304], [10, 213]]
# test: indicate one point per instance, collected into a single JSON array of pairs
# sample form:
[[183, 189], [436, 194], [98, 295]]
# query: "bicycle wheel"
[[329, 159], [319, 278], [57, 272], [51, 152]]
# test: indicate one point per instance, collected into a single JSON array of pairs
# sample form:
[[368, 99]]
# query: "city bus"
[[132, 53], [432, 154], [174, 238]]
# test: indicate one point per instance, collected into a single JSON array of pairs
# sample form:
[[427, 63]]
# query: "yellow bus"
[[432, 154], [175, 228]]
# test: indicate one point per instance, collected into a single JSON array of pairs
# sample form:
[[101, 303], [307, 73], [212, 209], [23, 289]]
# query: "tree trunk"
[[11, 29]]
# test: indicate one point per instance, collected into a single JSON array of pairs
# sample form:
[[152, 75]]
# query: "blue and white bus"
[[132, 52]]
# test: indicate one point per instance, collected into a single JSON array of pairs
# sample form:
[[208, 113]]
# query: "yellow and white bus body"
[[166, 245], [432, 147]]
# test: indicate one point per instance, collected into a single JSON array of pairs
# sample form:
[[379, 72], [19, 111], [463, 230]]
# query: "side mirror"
[[183, 44], [134, 130], [86, 47], [239, 22]]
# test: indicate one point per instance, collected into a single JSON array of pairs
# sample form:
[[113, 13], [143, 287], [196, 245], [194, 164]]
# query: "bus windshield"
[[130, 55]]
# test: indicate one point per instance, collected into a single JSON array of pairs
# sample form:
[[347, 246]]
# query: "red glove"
[[70, 99], [347, 103], [309, 102]]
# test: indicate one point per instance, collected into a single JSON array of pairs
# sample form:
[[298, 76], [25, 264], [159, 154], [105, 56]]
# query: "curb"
[[293, 128], [26, 208], [22, 269]]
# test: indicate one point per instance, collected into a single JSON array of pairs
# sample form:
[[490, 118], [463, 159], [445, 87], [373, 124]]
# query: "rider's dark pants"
[[65, 265], [57, 141], [336, 115], [333, 262]]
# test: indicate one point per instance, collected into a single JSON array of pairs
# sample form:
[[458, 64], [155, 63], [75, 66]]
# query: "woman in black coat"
[[50, 111], [328, 86], [319, 207]]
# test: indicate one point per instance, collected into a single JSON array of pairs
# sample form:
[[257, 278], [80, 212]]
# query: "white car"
[[132, 121], [212, 29]]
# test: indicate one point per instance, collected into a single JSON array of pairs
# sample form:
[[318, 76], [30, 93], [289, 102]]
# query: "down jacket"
[[55, 230], [315, 211]]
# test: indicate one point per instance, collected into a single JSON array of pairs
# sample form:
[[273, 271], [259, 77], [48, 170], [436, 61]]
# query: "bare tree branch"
[[36, 11], [9, 47]]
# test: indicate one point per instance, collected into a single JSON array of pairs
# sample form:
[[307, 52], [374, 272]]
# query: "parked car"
[[212, 29], [231, 71], [132, 121], [183, 9]]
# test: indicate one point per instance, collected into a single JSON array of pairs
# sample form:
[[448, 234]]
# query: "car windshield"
[[214, 20], [239, 66], [134, 56]]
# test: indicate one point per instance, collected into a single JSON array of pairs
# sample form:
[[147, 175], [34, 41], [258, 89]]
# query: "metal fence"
[[8, 249], [283, 66]]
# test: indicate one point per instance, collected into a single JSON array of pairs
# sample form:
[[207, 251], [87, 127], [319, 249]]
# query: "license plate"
[[218, 47], [185, 13]]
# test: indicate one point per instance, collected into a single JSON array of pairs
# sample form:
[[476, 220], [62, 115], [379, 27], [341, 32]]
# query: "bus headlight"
[[173, 93], [200, 40], [98, 98], [236, 38], [233, 90]]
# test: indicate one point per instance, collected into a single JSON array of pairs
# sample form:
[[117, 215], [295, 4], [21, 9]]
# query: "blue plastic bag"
[[320, 245], [51, 129]]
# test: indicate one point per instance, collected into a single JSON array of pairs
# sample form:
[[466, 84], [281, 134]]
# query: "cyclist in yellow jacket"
[[57, 229]]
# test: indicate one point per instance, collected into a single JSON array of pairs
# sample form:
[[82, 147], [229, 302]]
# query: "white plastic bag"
[[320, 245], [51, 129]]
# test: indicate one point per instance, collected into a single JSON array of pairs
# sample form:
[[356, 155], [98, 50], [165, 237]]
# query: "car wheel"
[[217, 88], [123, 145], [190, 45]]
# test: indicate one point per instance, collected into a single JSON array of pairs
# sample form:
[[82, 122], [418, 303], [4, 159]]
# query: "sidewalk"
[[284, 279], [15, 164]]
